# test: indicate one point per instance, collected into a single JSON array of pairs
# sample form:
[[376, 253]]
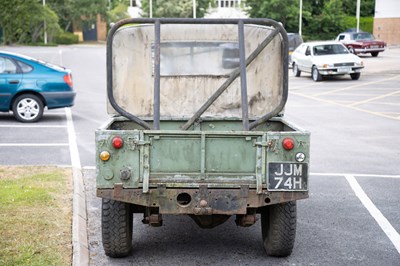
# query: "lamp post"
[[194, 8], [151, 8], [300, 16], [358, 15], [44, 24]]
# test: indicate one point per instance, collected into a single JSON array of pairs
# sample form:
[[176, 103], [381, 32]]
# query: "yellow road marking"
[[392, 113], [345, 105], [375, 98], [304, 86], [355, 86]]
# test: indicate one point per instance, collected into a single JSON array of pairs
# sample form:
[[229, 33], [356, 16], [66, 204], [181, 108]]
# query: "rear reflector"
[[117, 142], [288, 144], [104, 156]]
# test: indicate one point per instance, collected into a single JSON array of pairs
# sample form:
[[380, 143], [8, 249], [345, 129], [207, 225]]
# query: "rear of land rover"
[[193, 135]]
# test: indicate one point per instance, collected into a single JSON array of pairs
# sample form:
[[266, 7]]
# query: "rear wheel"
[[315, 74], [296, 71], [355, 76], [116, 224], [374, 54], [28, 108], [278, 227]]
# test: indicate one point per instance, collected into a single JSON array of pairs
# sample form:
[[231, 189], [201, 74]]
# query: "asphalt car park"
[[44, 143], [351, 218]]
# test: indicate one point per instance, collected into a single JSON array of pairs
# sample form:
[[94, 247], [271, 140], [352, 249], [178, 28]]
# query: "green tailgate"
[[202, 154], [189, 159]]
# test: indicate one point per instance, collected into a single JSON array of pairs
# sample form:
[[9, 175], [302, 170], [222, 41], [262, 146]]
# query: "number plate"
[[344, 69], [288, 176]]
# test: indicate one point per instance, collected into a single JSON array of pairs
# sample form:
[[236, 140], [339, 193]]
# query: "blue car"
[[28, 85]]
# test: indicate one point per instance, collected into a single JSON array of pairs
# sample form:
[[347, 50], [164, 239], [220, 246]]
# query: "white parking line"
[[80, 250], [375, 212], [32, 144], [355, 175], [33, 126], [73, 146]]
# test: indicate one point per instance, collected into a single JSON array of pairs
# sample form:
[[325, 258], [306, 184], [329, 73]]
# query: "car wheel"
[[355, 76], [116, 225], [374, 54], [296, 71], [278, 227], [28, 108], [315, 74]]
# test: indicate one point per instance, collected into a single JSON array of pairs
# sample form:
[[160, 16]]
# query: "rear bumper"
[[368, 50], [59, 99], [200, 201]]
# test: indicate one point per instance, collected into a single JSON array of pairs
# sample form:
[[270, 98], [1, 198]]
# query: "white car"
[[328, 58]]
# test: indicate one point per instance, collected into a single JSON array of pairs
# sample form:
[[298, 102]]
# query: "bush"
[[67, 38], [366, 23]]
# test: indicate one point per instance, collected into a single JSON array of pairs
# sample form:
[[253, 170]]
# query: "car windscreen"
[[329, 49]]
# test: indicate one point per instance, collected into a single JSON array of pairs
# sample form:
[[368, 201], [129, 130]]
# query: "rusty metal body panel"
[[227, 169], [216, 201]]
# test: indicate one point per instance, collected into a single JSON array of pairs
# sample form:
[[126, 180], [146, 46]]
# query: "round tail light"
[[288, 144], [104, 156], [117, 142]]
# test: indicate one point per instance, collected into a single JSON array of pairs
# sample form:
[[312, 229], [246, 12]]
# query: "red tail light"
[[288, 144], [68, 79], [117, 142]]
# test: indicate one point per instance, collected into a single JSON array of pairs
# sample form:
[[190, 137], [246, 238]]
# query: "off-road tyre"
[[278, 227], [116, 225], [355, 76]]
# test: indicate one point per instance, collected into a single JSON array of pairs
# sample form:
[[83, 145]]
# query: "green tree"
[[63, 8], [321, 19], [77, 12], [286, 12], [175, 8], [328, 23], [367, 7], [23, 21], [120, 11]]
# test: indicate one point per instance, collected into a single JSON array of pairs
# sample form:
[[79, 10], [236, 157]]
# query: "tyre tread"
[[279, 229], [117, 219]]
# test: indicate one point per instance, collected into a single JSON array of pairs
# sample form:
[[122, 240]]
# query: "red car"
[[361, 43]]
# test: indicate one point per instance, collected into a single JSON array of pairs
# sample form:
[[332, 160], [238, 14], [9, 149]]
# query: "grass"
[[35, 216]]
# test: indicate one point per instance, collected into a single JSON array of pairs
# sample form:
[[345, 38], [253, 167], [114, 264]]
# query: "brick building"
[[387, 21]]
